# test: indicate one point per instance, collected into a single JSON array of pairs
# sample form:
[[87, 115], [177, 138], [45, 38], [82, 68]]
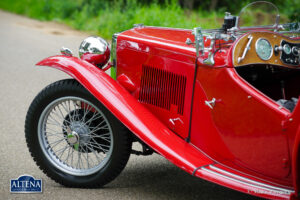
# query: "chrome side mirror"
[[94, 50]]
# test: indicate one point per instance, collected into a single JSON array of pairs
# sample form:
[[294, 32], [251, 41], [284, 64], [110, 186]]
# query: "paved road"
[[23, 42]]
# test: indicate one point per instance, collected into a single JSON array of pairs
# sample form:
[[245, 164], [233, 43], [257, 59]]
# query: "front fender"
[[130, 112]]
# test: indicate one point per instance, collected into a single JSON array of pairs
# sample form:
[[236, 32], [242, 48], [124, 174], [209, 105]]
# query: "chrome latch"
[[189, 42], [66, 51], [138, 25], [211, 104]]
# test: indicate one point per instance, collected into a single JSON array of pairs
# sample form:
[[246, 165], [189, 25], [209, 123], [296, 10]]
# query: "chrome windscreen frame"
[[113, 55]]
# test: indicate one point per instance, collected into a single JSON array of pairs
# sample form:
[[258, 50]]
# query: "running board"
[[241, 183]]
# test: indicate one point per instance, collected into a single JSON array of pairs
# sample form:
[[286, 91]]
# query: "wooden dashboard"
[[276, 58]]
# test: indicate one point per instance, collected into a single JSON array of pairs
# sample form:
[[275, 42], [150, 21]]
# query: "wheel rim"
[[75, 136]]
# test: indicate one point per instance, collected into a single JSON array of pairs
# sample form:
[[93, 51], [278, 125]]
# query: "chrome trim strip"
[[113, 55], [162, 27], [162, 43], [249, 180], [248, 184], [201, 167]]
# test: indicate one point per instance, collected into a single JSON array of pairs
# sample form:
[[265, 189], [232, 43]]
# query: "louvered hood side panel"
[[162, 88]]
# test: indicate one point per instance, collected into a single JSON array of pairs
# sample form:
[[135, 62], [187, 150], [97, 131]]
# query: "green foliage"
[[106, 17], [292, 9]]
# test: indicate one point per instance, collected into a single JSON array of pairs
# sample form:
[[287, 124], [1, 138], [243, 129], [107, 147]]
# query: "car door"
[[243, 127]]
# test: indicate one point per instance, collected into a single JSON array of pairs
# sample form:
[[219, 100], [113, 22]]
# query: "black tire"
[[120, 150]]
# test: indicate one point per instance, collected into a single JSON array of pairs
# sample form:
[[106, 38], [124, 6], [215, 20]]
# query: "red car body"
[[162, 92]]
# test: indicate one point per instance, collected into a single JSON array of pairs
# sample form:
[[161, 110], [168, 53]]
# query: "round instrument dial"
[[287, 49], [263, 49], [295, 51]]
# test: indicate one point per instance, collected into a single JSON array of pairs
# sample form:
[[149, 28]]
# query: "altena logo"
[[25, 184]]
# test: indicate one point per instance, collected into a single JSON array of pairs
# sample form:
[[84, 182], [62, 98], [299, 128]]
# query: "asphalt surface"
[[24, 42]]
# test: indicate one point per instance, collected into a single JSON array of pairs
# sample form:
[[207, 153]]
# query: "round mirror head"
[[94, 50]]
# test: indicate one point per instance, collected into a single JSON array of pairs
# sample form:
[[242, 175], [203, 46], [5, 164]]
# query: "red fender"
[[130, 112]]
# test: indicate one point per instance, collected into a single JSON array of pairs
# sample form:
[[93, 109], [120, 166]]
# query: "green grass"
[[104, 18]]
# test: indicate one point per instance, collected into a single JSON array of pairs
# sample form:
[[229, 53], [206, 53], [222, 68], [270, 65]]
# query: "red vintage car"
[[220, 104]]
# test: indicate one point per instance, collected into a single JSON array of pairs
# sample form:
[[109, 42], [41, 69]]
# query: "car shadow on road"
[[164, 180]]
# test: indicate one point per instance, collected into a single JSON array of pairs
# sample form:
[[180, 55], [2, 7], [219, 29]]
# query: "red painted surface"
[[126, 83], [131, 113], [246, 135]]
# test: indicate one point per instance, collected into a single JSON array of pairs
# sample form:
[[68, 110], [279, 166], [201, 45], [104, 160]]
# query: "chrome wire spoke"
[[56, 143], [103, 138], [67, 158], [62, 152], [67, 109], [56, 123], [98, 159], [97, 145], [78, 159], [102, 135], [93, 127], [105, 127], [55, 134], [54, 120], [86, 111], [60, 116], [72, 157], [86, 158], [75, 116], [93, 118], [54, 131]]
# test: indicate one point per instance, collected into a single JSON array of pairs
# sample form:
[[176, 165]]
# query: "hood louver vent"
[[162, 88]]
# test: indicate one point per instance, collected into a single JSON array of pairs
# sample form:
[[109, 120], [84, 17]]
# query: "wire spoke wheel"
[[75, 136]]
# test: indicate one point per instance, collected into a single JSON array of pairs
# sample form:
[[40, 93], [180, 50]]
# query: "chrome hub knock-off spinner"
[[79, 133], [73, 138]]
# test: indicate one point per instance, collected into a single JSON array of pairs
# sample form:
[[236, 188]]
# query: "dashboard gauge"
[[263, 49], [295, 51], [287, 49]]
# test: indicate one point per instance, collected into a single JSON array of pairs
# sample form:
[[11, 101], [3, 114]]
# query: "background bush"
[[105, 17]]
